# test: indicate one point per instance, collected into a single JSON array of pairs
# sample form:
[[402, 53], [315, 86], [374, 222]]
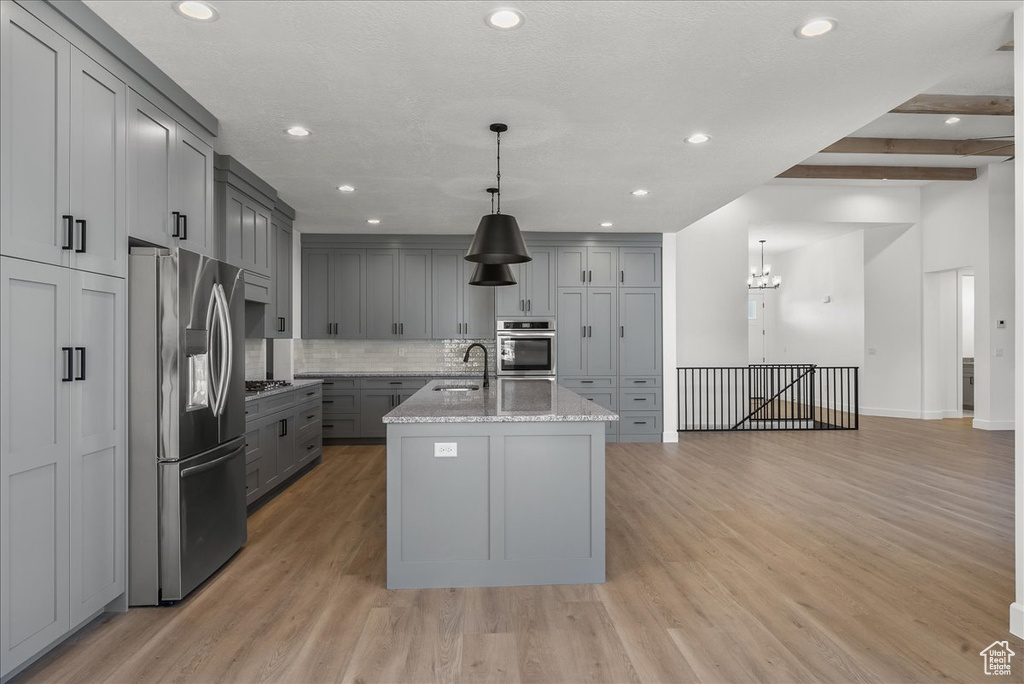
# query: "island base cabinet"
[[519, 504]]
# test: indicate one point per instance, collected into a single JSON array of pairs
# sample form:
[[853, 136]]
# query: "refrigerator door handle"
[[227, 337], [213, 379]]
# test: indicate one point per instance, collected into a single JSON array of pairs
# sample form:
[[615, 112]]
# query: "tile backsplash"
[[255, 359], [440, 356]]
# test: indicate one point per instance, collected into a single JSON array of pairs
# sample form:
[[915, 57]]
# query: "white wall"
[[670, 408], [967, 316], [711, 290], [804, 328]]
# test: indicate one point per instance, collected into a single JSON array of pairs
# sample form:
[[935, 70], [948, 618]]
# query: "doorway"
[[966, 334], [756, 328]]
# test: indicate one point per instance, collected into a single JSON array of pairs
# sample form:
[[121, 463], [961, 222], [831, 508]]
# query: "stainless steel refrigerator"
[[186, 421]]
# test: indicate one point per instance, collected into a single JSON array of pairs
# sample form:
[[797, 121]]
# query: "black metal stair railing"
[[768, 397]]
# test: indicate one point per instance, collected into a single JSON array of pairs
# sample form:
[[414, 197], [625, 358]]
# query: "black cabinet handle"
[[583, 331], [309, 394], [81, 233], [68, 238], [639, 382], [522, 305], [401, 328], [639, 398], [622, 276], [639, 422], [395, 382], [528, 305], [590, 331], [328, 401], [329, 328], [310, 447], [328, 427], [335, 328], [81, 363], [280, 324], [283, 432], [394, 328], [311, 416], [184, 226], [583, 276], [622, 331], [590, 276], [177, 224], [586, 382], [67, 364], [328, 383]]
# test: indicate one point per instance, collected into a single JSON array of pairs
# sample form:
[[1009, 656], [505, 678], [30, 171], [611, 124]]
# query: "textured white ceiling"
[[598, 95], [783, 237]]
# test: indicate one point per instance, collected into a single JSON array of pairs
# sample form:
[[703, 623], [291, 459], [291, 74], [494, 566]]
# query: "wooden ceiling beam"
[[981, 148], [917, 173], [985, 105]]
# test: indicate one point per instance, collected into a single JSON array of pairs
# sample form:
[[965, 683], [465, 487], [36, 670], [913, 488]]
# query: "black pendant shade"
[[492, 275], [498, 241]]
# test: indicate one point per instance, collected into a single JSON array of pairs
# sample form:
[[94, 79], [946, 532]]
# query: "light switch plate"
[[446, 449]]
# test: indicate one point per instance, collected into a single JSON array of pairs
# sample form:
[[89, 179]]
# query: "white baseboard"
[[932, 415], [950, 413], [1017, 619], [670, 437], [994, 424], [891, 413]]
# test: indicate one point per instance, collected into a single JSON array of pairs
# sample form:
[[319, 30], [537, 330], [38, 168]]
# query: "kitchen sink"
[[457, 388]]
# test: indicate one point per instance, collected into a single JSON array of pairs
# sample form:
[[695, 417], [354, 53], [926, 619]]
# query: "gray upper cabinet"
[[640, 266], [195, 201], [640, 331], [572, 331], [602, 331], [333, 293], [35, 72], [602, 266], [572, 266], [98, 136], [244, 205], [415, 299], [381, 293], [170, 181], [279, 312], [460, 310], [537, 290]]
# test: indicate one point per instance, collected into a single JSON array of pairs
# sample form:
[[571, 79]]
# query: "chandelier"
[[763, 280]]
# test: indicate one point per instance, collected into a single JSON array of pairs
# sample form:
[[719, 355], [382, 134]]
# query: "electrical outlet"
[[999, 352], [872, 351], [446, 449]]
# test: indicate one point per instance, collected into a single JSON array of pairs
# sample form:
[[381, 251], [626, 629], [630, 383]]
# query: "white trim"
[[950, 413], [670, 437], [1017, 619], [891, 413], [993, 424]]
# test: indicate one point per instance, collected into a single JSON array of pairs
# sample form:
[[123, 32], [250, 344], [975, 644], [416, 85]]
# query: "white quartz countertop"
[[297, 383], [508, 400], [387, 374]]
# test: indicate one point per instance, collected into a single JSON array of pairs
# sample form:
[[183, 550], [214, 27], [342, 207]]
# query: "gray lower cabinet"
[[62, 148], [282, 434], [374, 403], [170, 181], [536, 292], [62, 452], [460, 310], [353, 408]]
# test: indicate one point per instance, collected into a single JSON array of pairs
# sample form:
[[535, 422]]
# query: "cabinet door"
[[415, 302], [150, 172], [572, 266], [261, 257], [602, 331], [381, 293], [286, 446], [402, 395], [639, 331], [35, 442], [602, 266], [541, 276], [640, 267], [448, 294], [98, 443], [34, 147], [373, 405], [281, 323], [270, 458], [572, 331], [349, 295], [98, 168], [510, 300], [194, 187], [477, 304], [317, 289]]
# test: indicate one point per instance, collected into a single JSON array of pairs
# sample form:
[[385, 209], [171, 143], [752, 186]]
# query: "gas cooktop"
[[264, 385]]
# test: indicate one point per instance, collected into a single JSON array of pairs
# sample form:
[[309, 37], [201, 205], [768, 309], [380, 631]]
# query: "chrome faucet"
[[465, 359]]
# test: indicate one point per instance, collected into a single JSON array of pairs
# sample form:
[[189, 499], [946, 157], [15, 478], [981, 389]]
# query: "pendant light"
[[497, 239], [763, 280], [492, 275]]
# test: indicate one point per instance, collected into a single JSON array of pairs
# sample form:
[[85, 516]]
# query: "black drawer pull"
[[81, 232], [311, 447], [328, 383], [81, 363], [639, 398], [586, 382], [328, 401], [639, 422], [328, 427], [69, 239], [68, 351], [395, 382], [639, 382], [177, 224], [311, 416], [184, 226], [309, 394]]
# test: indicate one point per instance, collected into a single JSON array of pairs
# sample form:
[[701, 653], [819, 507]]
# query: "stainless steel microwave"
[[526, 346]]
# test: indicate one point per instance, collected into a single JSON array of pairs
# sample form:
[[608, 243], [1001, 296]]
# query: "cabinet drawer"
[[632, 399], [252, 442], [640, 381], [337, 427], [639, 422], [603, 398], [587, 381], [340, 402], [393, 383], [276, 403], [252, 409], [309, 448], [308, 414], [253, 481], [331, 384], [308, 393]]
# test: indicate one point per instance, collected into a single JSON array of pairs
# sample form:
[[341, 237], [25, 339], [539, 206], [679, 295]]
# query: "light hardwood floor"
[[884, 555]]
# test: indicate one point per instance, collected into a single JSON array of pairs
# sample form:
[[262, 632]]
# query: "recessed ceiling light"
[[698, 138], [816, 27], [640, 193], [952, 120], [298, 131], [373, 222], [346, 188], [607, 224], [505, 18], [194, 9]]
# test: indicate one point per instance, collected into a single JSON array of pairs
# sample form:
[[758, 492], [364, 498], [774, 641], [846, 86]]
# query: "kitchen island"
[[495, 486]]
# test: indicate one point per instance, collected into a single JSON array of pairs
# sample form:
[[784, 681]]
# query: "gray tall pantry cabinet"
[[91, 152]]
